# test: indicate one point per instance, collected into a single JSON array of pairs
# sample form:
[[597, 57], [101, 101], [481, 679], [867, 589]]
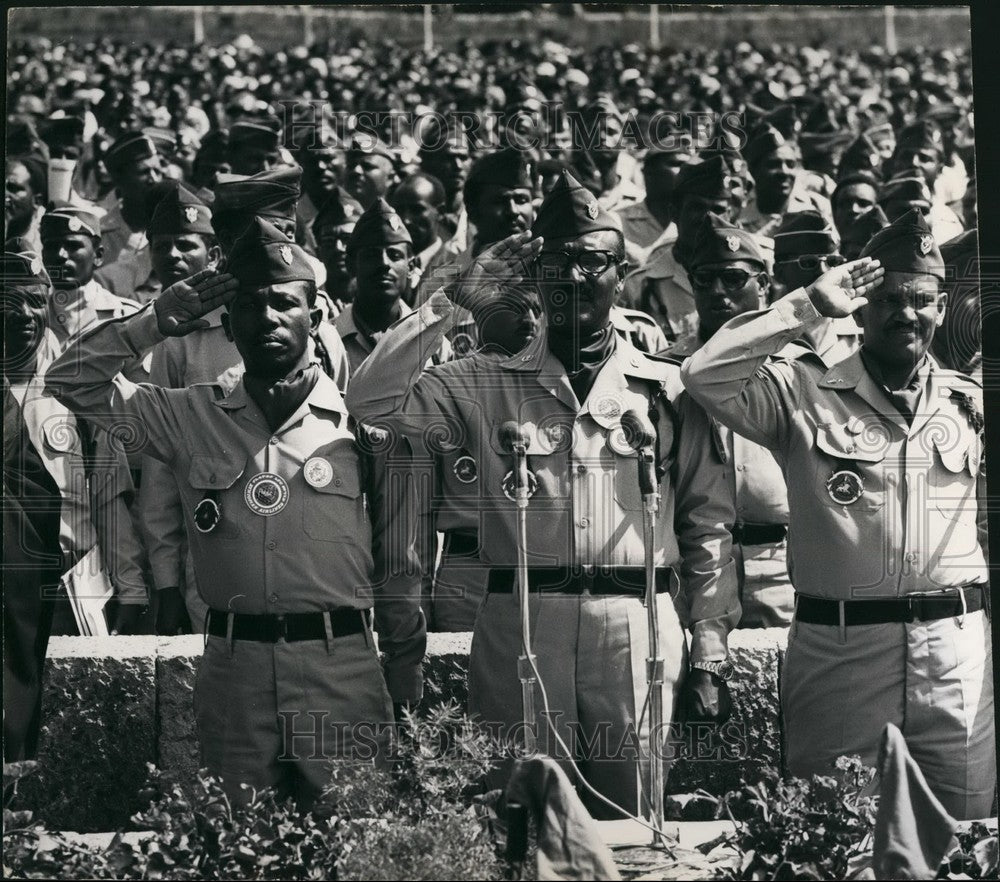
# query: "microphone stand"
[[526, 660]]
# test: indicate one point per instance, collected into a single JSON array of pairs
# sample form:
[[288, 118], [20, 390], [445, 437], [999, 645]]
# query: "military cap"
[[61, 130], [603, 104], [804, 232], [129, 147], [571, 210], [23, 139], [339, 209], [710, 179], [213, 146], [785, 119], [920, 135], [367, 144], [718, 241], [270, 193], [377, 227], [909, 189], [765, 140], [509, 168], [263, 132], [68, 219], [263, 256], [962, 254], [164, 139], [862, 155], [861, 230], [854, 178], [180, 212], [907, 246], [24, 270]]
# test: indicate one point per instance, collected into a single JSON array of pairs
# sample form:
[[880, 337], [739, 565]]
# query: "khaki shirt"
[[586, 510], [328, 548], [640, 328], [800, 199], [913, 524], [72, 311], [359, 345]]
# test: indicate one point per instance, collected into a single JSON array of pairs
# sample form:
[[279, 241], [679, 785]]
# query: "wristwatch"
[[724, 670]]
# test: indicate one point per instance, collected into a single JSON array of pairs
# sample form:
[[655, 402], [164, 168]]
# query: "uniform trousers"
[[766, 592], [277, 714], [591, 652], [459, 586], [933, 680]]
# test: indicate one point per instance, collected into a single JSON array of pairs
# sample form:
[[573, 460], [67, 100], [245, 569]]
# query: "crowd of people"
[[268, 314]]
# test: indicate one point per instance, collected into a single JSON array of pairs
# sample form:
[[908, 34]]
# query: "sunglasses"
[[733, 278], [812, 262], [590, 263]]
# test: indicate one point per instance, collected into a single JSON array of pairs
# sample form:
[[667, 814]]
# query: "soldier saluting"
[[277, 499]]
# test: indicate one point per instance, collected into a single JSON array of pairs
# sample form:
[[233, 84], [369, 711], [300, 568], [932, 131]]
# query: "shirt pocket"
[[217, 477], [953, 474], [846, 449], [334, 510]]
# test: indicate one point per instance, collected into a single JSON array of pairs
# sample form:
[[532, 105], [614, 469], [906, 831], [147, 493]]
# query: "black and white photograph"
[[499, 441]]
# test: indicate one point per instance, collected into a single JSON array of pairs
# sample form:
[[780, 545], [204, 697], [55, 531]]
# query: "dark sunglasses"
[[590, 263], [733, 278], [812, 262]]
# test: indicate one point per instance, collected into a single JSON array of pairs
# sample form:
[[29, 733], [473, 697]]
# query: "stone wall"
[[112, 705]]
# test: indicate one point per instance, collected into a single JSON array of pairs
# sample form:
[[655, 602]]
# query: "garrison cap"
[[505, 168], [571, 210], [920, 135], [765, 140], [861, 230], [270, 193], [263, 256], [262, 132], [907, 246], [180, 212], [24, 270], [803, 232], [61, 131], [164, 139], [128, 148], [710, 179], [854, 178], [785, 119], [718, 241], [862, 155], [962, 254], [339, 209], [377, 227], [65, 219], [909, 189], [367, 144], [23, 138], [213, 146]]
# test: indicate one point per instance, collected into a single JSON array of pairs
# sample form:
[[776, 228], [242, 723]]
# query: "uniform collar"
[[347, 327], [324, 396]]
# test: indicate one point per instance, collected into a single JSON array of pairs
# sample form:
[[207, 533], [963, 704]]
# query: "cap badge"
[[317, 471], [36, 266], [191, 213], [845, 487], [74, 224], [395, 222], [733, 243], [926, 244], [873, 159], [286, 254], [592, 210]]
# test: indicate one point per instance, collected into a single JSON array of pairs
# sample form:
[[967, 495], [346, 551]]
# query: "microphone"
[[641, 437], [514, 439]]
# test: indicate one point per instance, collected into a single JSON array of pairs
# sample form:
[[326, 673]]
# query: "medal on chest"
[[207, 514], [466, 470], [317, 472], [266, 494], [845, 486]]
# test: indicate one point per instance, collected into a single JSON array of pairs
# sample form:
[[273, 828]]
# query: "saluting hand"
[[505, 263], [180, 308], [844, 289]]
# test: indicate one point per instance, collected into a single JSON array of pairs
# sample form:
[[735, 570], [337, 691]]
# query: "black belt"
[[598, 580], [911, 608], [290, 627], [758, 534], [461, 544]]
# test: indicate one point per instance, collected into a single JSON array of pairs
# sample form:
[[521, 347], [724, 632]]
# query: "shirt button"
[[211, 479], [584, 522], [850, 448], [337, 482], [741, 468], [272, 545], [274, 440], [273, 598]]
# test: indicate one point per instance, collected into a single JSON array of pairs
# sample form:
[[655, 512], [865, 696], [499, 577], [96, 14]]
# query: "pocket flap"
[[214, 472], [327, 475], [954, 453], [838, 440]]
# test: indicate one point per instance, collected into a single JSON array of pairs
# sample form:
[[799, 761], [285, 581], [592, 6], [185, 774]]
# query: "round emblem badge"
[[733, 243], [266, 494], [74, 225], [619, 443], [286, 254], [466, 470], [845, 487], [509, 485], [317, 472], [207, 515], [608, 407]]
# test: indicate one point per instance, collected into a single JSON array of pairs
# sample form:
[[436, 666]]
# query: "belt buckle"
[[914, 607], [281, 628]]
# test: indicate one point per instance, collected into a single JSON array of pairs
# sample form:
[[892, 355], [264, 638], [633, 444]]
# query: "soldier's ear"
[[98, 254], [764, 283], [225, 326], [315, 317], [214, 255]]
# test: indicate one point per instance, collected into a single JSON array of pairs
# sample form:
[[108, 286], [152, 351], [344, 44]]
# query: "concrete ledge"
[[114, 704]]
